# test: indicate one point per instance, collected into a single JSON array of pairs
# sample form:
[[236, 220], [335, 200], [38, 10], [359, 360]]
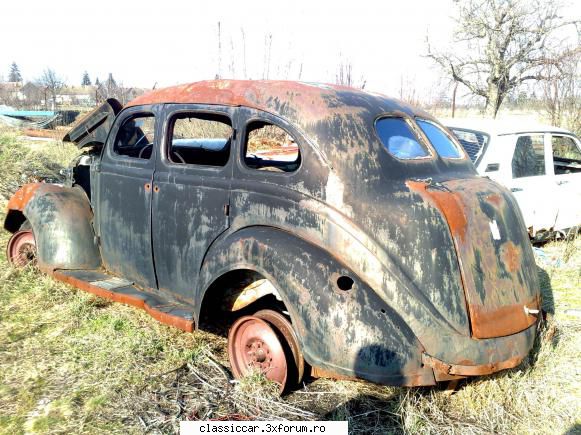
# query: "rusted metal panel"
[[470, 370], [123, 204], [93, 128], [498, 275], [137, 299], [21, 197], [61, 219]]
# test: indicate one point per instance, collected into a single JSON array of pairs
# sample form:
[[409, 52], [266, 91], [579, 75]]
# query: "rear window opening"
[[270, 148], [199, 139], [442, 143], [399, 139]]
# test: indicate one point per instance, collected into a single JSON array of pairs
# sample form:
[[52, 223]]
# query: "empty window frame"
[[566, 155], [529, 156], [199, 139], [270, 148], [136, 136]]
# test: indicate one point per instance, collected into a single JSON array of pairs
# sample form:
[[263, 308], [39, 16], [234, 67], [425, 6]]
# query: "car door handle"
[[559, 183], [516, 189]]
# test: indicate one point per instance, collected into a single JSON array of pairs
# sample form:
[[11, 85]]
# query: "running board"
[[116, 289]]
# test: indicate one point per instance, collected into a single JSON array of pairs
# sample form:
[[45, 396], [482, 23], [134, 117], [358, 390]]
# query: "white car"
[[540, 164]]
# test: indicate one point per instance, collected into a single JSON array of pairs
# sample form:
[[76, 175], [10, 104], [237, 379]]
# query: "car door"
[[124, 197], [191, 192], [565, 164], [531, 182]]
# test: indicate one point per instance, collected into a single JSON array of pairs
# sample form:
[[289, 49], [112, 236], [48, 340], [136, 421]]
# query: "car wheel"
[[256, 344], [284, 328], [21, 249]]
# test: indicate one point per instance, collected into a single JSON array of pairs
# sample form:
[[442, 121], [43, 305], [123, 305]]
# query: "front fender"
[[347, 332], [61, 219]]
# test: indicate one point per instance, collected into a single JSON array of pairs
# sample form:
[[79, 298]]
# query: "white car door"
[[565, 166], [533, 188]]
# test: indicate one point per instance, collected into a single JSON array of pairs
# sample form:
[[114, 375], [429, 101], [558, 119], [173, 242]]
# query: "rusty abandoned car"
[[341, 232]]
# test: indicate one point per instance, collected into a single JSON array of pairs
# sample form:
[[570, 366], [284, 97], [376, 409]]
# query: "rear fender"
[[61, 219], [346, 332]]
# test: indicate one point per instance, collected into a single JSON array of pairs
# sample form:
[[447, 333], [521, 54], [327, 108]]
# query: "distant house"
[[32, 94], [9, 93], [76, 96]]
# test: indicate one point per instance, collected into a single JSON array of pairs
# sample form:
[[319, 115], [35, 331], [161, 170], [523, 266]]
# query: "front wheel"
[[21, 249]]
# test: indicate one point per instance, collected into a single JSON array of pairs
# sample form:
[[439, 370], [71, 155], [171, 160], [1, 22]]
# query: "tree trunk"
[[493, 102]]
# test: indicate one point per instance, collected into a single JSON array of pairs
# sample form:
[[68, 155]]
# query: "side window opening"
[[270, 148], [442, 143], [529, 156], [399, 139], [200, 139], [135, 137], [566, 155]]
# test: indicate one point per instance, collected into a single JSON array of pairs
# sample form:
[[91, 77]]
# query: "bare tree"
[[267, 52], [344, 75], [500, 44], [562, 94], [52, 85]]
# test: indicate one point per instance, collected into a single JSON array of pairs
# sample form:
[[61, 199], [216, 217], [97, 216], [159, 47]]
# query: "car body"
[[540, 164], [355, 219]]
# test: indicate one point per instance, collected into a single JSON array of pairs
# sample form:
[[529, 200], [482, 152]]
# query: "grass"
[[74, 363]]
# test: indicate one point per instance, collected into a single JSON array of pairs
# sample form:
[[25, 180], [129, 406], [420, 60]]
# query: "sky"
[[162, 43]]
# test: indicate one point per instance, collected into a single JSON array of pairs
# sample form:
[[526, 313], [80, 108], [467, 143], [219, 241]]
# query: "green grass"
[[74, 363]]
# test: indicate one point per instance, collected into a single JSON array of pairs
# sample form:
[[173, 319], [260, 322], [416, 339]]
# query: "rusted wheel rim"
[[21, 250], [254, 345], [282, 324]]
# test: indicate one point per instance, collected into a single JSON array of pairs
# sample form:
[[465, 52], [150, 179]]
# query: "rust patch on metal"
[[487, 323], [469, 370], [511, 256], [19, 200], [317, 372], [447, 202], [495, 199], [168, 319], [267, 95]]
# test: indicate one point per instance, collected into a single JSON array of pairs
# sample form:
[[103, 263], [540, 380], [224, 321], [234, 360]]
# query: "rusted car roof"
[[312, 101]]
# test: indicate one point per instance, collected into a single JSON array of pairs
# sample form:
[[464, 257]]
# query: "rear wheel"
[[21, 249], [265, 342]]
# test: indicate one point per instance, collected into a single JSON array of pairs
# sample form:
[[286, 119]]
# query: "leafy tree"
[[86, 79], [14, 75], [501, 44]]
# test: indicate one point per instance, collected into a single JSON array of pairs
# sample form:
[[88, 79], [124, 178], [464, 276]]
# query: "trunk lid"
[[495, 258]]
